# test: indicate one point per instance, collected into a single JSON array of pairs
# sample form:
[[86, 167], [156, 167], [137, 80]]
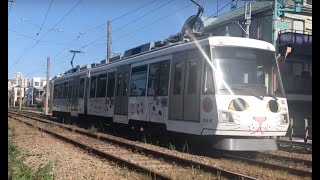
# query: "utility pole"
[[217, 7], [32, 97], [20, 95], [247, 17], [108, 42], [47, 89]]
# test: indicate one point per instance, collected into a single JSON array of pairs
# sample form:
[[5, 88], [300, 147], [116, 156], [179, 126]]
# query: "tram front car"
[[242, 89]]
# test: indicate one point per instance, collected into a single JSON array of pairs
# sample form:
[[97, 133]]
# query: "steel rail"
[[167, 157]]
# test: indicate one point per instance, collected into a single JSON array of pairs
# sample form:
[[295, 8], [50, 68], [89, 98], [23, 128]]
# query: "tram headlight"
[[226, 117], [273, 106], [238, 104]]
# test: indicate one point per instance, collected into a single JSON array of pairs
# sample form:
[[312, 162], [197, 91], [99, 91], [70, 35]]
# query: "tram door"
[[74, 100], [185, 85], [86, 94], [122, 91]]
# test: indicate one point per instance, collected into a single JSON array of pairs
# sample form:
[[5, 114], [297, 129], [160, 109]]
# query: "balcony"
[[299, 41]]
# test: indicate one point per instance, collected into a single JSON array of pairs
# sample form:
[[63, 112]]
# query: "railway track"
[[280, 162], [282, 144], [274, 165], [159, 165], [293, 146]]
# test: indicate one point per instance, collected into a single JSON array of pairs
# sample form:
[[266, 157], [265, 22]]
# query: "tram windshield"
[[246, 71]]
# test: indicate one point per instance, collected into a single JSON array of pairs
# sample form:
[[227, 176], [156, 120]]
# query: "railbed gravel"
[[290, 163], [232, 165], [173, 171], [67, 161], [302, 156]]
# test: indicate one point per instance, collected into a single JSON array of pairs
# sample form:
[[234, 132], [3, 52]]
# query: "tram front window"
[[246, 71]]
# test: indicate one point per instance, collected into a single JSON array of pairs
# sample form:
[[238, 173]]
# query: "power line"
[[21, 57], [37, 26], [128, 23], [20, 34], [10, 7], [160, 19], [118, 17], [61, 20], [82, 34], [45, 17], [29, 37], [144, 15]]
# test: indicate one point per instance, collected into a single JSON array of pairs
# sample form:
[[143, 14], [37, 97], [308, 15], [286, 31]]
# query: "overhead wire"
[[21, 57], [114, 19], [29, 37], [10, 7], [215, 14], [45, 17], [127, 24], [159, 19]]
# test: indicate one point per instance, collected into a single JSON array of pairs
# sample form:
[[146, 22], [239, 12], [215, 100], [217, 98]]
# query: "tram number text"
[[207, 120]]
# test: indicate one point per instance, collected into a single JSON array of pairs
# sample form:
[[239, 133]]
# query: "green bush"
[[38, 104], [20, 170]]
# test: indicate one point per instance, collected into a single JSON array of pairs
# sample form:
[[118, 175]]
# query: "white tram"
[[226, 90]]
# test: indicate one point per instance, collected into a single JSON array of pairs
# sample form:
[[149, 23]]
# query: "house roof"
[[256, 7], [237, 13]]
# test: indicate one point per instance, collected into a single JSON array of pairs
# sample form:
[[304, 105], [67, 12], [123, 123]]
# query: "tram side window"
[[138, 81], [119, 79], [125, 84], [60, 89], [70, 89], [93, 86], [177, 78], [75, 89], [208, 87], [158, 78], [55, 92], [101, 85], [111, 83], [65, 90], [193, 74], [81, 90]]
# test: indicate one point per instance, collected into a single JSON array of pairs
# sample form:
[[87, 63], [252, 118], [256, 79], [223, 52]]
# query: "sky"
[[38, 29]]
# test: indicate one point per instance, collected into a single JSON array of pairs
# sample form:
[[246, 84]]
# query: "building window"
[[298, 25], [93, 86], [158, 78], [309, 2], [101, 85], [111, 83], [41, 84], [36, 83], [138, 81], [297, 77]]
